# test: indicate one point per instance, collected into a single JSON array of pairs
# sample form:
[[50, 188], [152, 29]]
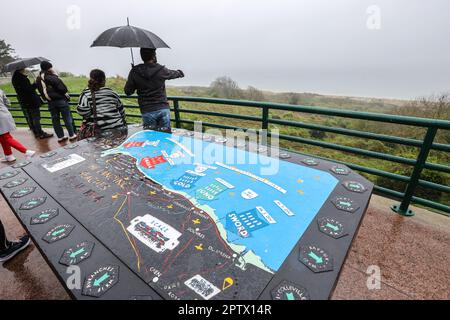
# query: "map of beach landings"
[[224, 204]]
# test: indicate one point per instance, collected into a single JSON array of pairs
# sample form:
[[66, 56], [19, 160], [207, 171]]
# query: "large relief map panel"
[[198, 219]]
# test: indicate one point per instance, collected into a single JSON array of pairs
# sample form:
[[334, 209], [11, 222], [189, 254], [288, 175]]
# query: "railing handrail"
[[374, 116], [363, 115]]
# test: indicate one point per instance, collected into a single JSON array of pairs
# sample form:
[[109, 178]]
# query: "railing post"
[[403, 207], [176, 110], [265, 118], [73, 122], [264, 126]]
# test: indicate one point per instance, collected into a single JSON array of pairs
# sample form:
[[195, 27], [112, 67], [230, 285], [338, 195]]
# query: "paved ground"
[[413, 254]]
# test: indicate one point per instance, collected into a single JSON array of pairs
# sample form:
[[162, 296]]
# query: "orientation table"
[[184, 215]]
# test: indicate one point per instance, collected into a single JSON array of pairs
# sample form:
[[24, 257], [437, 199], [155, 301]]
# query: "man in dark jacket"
[[55, 92], [148, 79], [29, 102]]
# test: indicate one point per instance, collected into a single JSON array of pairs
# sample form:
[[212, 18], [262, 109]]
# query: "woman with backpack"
[[55, 92], [100, 107]]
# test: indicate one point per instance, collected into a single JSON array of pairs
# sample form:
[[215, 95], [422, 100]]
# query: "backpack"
[[90, 129]]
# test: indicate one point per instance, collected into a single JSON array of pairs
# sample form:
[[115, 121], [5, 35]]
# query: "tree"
[[6, 53], [293, 98], [435, 106], [225, 87], [66, 74], [254, 94]]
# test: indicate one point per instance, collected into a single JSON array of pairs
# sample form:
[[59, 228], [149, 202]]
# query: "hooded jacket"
[[56, 89], [26, 92], [148, 79]]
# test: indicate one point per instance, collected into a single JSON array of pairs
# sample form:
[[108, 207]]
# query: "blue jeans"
[[157, 120], [33, 117], [57, 109]]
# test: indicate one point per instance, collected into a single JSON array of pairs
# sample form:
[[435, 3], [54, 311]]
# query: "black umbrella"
[[22, 64], [129, 37]]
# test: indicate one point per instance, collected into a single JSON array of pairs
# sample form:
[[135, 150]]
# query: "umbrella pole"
[[131, 49], [132, 57]]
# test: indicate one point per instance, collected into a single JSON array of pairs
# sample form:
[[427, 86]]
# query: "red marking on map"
[[151, 162], [133, 144]]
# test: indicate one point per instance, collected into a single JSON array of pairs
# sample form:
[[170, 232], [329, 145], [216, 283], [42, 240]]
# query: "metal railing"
[[264, 121]]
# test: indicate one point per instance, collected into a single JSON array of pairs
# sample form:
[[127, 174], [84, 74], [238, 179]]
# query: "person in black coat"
[[54, 91], [148, 79], [29, 102]]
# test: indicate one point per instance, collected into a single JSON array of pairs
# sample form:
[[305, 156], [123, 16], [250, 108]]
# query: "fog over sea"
[[383, 48]]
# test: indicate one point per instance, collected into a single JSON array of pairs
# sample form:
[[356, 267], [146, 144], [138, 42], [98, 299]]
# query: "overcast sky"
[[382, 48]]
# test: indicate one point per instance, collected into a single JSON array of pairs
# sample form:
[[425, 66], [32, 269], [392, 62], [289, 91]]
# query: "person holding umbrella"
[[28, 99], [55, 92], [148, 79], [30, 102]]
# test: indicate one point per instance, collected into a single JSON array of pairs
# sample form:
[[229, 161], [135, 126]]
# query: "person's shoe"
[[14, 248], [62, 139], [29, 153], [71, 138], [9, 158], [45, 135]]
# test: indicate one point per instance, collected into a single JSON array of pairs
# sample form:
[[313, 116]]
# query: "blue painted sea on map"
[[265, 204]]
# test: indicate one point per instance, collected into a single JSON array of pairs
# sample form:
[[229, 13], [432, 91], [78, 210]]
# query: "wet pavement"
[[412, 254]]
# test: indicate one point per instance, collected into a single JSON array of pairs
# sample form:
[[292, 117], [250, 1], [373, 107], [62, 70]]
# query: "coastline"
[[248, 258]]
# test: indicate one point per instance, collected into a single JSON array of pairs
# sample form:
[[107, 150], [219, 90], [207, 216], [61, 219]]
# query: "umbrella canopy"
[[129, 37], [22, 64]]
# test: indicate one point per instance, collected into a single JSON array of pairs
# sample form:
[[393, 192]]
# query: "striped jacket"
[[110, 111]]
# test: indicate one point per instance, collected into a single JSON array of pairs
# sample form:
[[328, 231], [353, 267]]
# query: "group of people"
[[99, 106]]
